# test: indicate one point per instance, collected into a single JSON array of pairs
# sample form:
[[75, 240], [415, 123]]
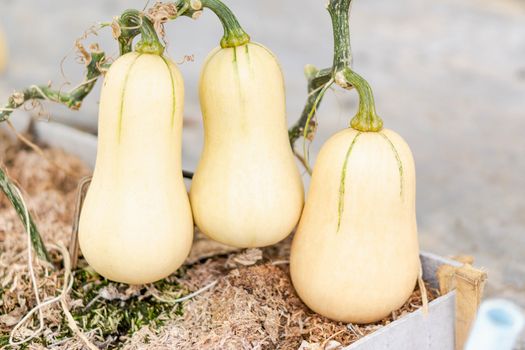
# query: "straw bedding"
[[252, 305]]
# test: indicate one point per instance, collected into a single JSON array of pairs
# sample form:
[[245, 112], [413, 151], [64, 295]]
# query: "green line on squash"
[[236, 66], [172, 91], [234, 55], [399, 163], [123, 95], [343, 181], [247, 51], [242, 99]]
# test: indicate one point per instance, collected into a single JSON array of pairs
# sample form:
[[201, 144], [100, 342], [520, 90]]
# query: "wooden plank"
[[417, 331], [470, 283]]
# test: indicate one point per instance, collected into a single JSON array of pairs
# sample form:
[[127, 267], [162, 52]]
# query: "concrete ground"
[[448, 75]]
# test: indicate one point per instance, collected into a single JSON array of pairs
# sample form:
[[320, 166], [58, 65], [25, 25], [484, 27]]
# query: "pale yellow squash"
[[247, 190], [136, 225], [3, 51], [358, 260]]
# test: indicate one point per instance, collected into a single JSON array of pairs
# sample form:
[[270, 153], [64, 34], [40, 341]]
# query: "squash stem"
[[339, 11], [132, 23], [149, 42], [366, 118], [129, 24], [234, 35]]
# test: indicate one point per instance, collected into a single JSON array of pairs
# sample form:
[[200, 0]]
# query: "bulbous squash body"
[[368, 267], [3, 51], [136, 225], [247, 190]]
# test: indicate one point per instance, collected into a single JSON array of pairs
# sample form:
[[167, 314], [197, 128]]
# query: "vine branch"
[[36, 240], [72, 99], [320, 80], [339, 11], [341, 74], [316, 80]]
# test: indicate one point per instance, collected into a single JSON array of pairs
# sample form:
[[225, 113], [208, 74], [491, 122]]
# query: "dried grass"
[[252, 306], [255, 307]]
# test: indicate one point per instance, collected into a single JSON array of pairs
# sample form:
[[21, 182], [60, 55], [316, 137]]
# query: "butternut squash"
[[247, 190], [355, 255], [3, 51], [136, 225]]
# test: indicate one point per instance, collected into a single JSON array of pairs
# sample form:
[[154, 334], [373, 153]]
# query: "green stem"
[[339, 11], [310, 125], [131, 23], [149, 42], [234, 35], [8, 188], [316, 79], [366, 118], [72, 99]]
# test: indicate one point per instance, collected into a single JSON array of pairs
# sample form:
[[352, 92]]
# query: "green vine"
[[319, 81], [126, 28], [339, 11], [95, 66], [12, 194], [129, 24], [310, 124]]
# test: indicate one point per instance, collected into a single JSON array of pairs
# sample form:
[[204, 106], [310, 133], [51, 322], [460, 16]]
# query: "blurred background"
[[448, 75]]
